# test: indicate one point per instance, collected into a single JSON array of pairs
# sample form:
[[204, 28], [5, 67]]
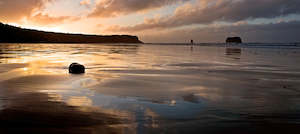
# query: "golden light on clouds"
[[85, 2], [139, 17]]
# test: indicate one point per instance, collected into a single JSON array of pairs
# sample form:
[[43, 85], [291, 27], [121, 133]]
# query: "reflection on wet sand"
[[233, 52], [27, 110], [33, 113], [147, 89], [31, 101]]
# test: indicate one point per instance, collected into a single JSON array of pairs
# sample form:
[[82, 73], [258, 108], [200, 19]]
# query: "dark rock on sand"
[[76, 68], [234, 40]]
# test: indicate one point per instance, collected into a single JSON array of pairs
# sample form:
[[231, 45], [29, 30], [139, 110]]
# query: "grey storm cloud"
[[273, 32], [209, 11], [113, 8]]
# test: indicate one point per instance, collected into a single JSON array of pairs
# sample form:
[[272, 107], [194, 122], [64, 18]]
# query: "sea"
[[209, 88]]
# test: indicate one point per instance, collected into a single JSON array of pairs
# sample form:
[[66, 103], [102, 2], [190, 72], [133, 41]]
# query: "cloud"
[[209, 11], [30, 11], [14, 10], [273, 32], [113, 8], [85, 3], [192, 19], [45, 19]]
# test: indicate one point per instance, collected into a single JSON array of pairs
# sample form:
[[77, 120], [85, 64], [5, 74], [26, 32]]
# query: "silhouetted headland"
[[12, 34], [234, 40]]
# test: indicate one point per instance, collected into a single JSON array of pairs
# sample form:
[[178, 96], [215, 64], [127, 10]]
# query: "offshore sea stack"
[[234, 40]]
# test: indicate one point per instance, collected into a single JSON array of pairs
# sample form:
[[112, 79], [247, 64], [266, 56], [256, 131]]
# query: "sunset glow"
[[160, 20]]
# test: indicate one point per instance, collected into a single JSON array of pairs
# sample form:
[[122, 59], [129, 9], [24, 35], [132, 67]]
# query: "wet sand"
[[28, 110], [149, 89]]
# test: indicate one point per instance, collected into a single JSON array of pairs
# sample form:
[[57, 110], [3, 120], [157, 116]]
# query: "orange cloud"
[[15, 10], [45, 19], [85, 2]]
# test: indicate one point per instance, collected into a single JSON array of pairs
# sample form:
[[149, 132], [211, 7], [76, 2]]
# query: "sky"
[[166, 21]]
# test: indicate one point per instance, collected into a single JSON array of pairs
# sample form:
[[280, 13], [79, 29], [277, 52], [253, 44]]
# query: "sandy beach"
[[149, 89]]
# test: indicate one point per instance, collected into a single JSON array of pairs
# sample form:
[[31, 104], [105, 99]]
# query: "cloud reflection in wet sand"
[[147, 89], [29, 111]]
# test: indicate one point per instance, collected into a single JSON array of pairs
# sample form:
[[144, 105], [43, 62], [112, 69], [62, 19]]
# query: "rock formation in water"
[[76, 68], [234, 40], [12, 34]]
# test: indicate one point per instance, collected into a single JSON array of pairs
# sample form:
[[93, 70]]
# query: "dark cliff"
[[12, 34]]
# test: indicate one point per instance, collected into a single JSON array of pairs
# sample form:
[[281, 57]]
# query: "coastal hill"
[[12, 34]]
